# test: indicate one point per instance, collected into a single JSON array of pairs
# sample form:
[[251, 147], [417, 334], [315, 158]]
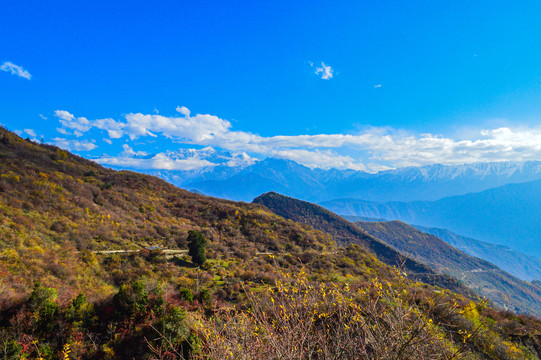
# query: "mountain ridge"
[[426, 183], [520, 265], [505, 215], [486, 278]]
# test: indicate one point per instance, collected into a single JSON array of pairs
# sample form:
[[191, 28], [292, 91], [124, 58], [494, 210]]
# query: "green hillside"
[[78, 283]]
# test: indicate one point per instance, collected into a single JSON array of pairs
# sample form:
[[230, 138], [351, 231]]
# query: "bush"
[[297, 319], [45, 309], [186, 294], [204, 296]]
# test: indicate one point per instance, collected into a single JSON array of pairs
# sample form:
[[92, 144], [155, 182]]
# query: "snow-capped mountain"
[[407, 184]]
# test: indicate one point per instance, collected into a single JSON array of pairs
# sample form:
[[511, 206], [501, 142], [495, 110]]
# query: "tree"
[[45, 309], [196, 246], [131, 300]]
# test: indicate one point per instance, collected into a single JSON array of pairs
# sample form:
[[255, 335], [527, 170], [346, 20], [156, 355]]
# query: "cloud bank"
[[372, 149], [186, 159]]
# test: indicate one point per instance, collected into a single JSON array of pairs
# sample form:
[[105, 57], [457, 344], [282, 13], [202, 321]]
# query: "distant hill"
[[391, 241], [522, 266], [485, 278], [244, 181], [345, 233], [508, 215], [515, 263]]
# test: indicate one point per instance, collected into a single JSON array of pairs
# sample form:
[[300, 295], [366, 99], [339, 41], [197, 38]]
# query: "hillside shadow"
[[181, 262]]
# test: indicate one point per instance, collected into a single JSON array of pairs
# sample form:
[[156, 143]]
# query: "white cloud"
[[183, 110], [377, 86], [81, 125], [183, 159], [76, 145], [108, 141], [325, 71], [128, 151], [71, 122], [15, 70], [319, 159], [159, 161], [30, 132], [370, 149], [43, 117], [63, 131], [113, 128], [198, 127]]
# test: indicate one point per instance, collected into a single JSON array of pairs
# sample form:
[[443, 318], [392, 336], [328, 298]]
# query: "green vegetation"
[[196, 247], [266, 278]]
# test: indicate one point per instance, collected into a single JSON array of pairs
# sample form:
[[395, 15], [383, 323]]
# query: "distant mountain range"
[[508, 215], [385, 238], [520, 265], [486, 278], [244, 182]]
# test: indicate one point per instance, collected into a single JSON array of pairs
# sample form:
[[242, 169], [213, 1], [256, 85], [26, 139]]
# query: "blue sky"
[[354, 84]]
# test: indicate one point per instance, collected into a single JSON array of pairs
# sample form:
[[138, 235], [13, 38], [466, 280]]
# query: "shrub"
[[186, 294], [297, 319]]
